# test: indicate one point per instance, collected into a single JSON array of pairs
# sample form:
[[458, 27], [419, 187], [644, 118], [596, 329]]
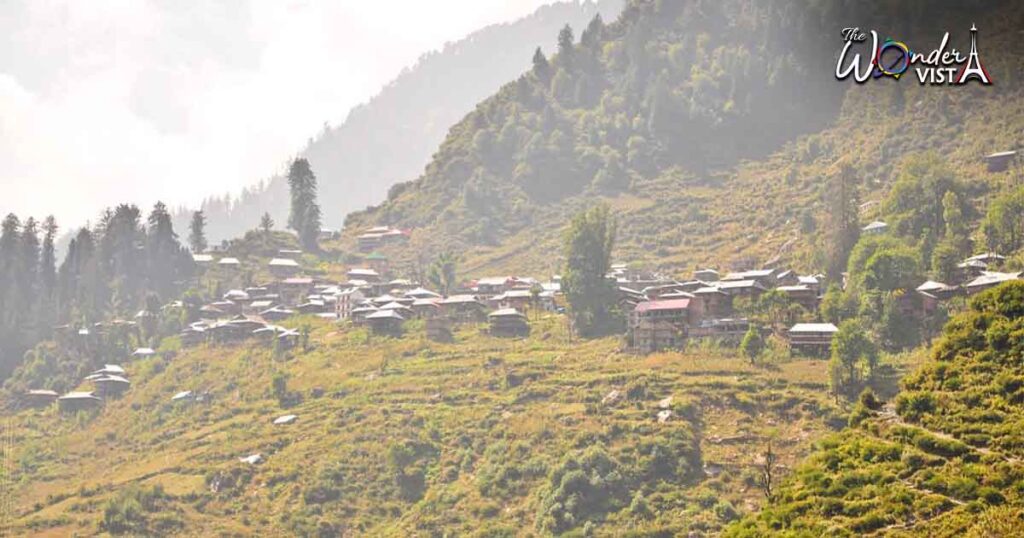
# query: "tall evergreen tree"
[[121, 256], [10, 242], [28, 283], [197, 232], [593, 33], [566, 39], [305, 212], [163, 252], [48, 257], [843, 224], [592, 297], [541, 67]]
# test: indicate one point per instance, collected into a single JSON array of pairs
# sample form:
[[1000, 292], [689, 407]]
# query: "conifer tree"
[[266, 224], [566, 39], [843, 224], [163, 251], [305, 212], [48, 257], [541, 67], [197, 232], [593, 33]]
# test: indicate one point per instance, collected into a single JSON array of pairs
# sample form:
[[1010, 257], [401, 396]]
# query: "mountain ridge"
[[389, 138]]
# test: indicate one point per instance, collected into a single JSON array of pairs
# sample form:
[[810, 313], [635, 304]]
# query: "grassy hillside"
[[753, 185], [944, 458], [408, 437]]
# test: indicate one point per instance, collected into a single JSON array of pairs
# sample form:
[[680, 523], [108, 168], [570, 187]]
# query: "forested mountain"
[[392, 136], [710, 128]]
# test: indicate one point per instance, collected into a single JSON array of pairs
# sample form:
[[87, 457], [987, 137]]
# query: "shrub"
[[128, 512]]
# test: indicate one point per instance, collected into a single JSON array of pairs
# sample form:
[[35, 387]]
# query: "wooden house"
[[283, 267], [464, 308], [651, 335], [39, 398], [1000, 161], [706, 275], [111, 385], [508, 322], [765, 278], [939, 290], [516, 298], [875, 228], [801, 295], [989, 279], [426, 308], [730, 330], [385, 322], [78, 401], [812, 338], [742, 288], [439, 329], [363, 274]]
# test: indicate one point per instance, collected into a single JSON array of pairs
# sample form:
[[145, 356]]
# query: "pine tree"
[[48, 257], [593, 33], [266, 224], [843, 224], [197, 232], [10, 241], [305, 212], [163, 252], [566, 39], [28, 284], [541, 67]]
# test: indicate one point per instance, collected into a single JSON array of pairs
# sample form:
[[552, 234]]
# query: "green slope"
[[709, 134], [405, 437], [943, 459]]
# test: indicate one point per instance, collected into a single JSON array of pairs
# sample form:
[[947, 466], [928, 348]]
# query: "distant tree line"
[[116, 268]]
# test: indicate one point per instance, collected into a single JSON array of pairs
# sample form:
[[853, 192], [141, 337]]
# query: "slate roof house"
[[1000, 161], [78, 401], [385, 322], [283, 267], [39, 398], [466, 308], [508, 322], [812, 338]]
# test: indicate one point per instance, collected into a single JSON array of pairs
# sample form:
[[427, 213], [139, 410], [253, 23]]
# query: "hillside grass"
[[399, 437], [944, 458]]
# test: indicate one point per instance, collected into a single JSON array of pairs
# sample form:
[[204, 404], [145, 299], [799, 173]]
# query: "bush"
[[128, 512]]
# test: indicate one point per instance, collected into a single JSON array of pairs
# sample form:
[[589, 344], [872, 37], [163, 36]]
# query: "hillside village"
[[663, 313], [604, 309]]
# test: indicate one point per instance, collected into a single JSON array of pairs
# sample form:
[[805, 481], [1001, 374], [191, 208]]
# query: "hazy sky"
[[104, 101]]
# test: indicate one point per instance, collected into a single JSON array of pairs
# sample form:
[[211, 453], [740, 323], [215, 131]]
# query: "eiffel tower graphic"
[[973, 68]]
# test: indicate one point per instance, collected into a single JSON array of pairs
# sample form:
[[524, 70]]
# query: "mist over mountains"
[[390, 138]]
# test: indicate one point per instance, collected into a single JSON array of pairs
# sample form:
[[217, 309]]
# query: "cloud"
[[113, 100]]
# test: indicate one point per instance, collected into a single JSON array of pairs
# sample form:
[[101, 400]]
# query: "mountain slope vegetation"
[[397, 437], [391, 137], [942, 459], [701, 124]]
